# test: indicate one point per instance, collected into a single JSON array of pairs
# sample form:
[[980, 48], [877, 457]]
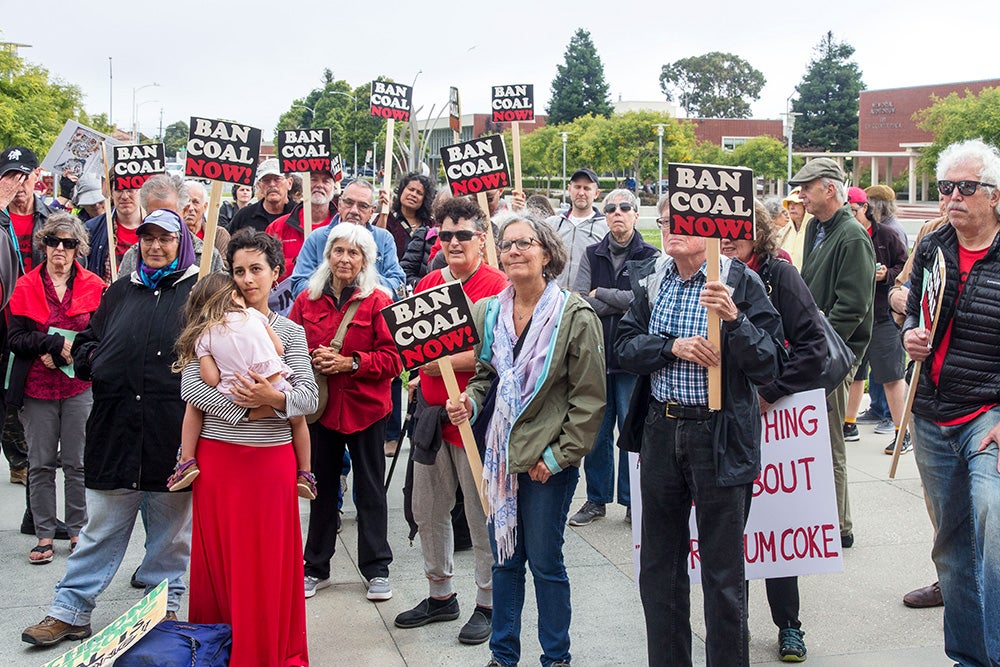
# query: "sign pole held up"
[[307, 220], [465, 429], [108, 222], [391, 101], [714, 329], [211, 225], [491, 243], [515, 141], [390, 130], [514, 104]]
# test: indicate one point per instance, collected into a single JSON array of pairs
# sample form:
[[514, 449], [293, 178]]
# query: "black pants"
[[368, 460], [678, 468], [783, 598]]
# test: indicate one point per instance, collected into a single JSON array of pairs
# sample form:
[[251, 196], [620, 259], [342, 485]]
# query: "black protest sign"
[[304, 150], [476, 166], [514, 103], [431, 324], [222, 151], [134, 164], [391, 100], [454, 110], [711, 201]]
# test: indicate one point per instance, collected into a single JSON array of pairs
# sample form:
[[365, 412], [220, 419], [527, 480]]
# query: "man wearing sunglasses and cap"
[[956, 411], [581, 225], [604, 282], [838, 266]]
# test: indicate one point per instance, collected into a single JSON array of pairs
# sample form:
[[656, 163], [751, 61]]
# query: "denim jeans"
[[599, 464], [879, 405], [541, 521], [678, 468], [964, 488], [104, 539], [394, 426]]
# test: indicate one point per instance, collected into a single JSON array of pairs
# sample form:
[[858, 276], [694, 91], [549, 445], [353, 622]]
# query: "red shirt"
[[966, 259], [485, 282], [291, 238], [24, 228]]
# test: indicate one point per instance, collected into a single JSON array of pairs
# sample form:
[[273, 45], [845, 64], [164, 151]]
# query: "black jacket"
[[970, 375], [417, 255], [752, 353], [126, 352], [254, 216], [891, 253]]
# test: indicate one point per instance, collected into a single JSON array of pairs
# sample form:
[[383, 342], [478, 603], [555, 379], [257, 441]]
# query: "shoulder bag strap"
[[338, 338]]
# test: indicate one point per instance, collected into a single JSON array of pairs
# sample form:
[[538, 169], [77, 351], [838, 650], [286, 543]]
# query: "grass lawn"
[[652, 237]]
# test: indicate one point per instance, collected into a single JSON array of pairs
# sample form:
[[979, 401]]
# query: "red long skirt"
[[246, 552]]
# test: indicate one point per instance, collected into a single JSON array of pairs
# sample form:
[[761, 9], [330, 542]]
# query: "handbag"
[[322, 385], [177, 644]]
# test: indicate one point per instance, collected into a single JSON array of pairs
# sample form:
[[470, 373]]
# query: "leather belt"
[[678, 411]]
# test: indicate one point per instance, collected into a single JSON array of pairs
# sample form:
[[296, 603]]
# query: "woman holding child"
[[246, 566]]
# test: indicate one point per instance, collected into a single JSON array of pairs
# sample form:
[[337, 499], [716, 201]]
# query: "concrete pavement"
[[855, 618]]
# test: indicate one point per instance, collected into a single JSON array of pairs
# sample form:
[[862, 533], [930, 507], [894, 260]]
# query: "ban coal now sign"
[[222, 151], [391, 100], [304, 150], [514, 103], [134, 164], [711, 201], [476, 166], [432, 324]]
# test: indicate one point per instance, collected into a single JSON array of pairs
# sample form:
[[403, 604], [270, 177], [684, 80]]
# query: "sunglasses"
[[463, 235], [967, 188], [55, 241], [624, 207], [521, 244]]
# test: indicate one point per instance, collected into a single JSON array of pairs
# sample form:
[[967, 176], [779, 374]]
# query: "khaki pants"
[[837, 400]]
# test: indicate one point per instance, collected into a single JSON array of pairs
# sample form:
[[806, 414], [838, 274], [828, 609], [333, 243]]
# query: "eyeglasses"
[[164, 240], [521, 244], [967, 188], [56, 241], [624, 207], [350, 203], [463, 235], [663, 223]]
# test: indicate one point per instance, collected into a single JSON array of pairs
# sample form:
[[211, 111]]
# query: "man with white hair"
[[956, 411], [194, 216], [838, 266]]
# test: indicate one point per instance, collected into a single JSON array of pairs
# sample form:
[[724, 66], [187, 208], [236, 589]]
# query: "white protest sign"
[[77, 150], [793, 528]]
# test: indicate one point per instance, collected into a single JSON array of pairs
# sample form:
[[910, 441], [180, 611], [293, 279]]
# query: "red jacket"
[[290, 231], [359, 399]]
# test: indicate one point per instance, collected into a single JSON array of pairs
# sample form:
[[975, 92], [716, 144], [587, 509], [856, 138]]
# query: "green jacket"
[[560, 421], [840, 273]]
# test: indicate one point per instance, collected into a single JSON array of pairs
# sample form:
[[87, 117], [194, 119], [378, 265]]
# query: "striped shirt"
[[224, 420], [678, 314]]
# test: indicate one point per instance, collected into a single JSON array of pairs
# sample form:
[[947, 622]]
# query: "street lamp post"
[[135, 111], [659, 178], [565, 135], [790, 128]]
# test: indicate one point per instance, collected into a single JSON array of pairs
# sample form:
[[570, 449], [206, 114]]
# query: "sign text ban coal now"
[[513, 103], [476, 166], [135, 164], [431, 324], [711, 201], [304, 150], [391, 100], [222, 151]]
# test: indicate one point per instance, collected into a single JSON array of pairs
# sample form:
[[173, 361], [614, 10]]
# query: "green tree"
[[33, 106], [828, 99], [579, 87], [955, 118], [767, 156], [175, 138], [713, 85]]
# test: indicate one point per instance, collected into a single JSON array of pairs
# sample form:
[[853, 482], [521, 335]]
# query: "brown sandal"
[[45, 550]]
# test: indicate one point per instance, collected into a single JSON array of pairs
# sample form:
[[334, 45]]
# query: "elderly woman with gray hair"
[[50, 304], [541, 358], [358, 374]]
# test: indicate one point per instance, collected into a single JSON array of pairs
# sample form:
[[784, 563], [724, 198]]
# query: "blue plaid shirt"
[[678, 314]]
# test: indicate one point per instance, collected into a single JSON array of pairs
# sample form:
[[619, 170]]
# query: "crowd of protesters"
[[586, 330]]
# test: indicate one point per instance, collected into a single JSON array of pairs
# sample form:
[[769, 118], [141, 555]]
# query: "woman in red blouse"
[[50, 304]]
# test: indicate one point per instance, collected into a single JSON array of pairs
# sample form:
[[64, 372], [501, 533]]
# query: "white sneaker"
[[314, 584], [379, 589]]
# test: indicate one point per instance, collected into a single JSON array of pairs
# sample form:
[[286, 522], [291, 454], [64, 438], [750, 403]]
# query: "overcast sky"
[[248, 60]]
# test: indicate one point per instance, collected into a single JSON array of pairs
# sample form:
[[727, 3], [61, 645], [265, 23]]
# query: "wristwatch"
[[354, 365]]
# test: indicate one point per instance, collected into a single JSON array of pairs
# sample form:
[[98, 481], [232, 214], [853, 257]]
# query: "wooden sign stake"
[[465, 428], [491, 244], [307, 221], [208, 243], [515, 140], [390, 130], [714, 329], [108, 222]]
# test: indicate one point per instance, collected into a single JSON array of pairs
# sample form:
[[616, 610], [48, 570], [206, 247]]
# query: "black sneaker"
[[479, 628], [791, 648], [587, 514], [868, 417], [429, 611], [907, 446], [851, 432]]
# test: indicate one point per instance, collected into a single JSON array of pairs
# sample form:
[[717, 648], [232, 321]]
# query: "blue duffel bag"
[[177, 644]]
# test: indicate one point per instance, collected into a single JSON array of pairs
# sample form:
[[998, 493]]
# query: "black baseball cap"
[[586, 173], [19, 159]]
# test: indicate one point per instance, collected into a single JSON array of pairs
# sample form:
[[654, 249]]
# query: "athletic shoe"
[[628, 514], [587, 514], [907, 446], [868, 417], [478, 628], [314, 584], [379, 589], [19, 476], [791, 648], [885, 427], [429, 611], [851, 433], [52, 631]]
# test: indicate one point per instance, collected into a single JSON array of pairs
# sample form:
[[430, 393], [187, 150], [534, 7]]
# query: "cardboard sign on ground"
[[391, 100], [793, 528], [222, 151], [304, 150], [134, 164], [514, 103], [476, 166], [431, 324], [711, 201], [103, 649]]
